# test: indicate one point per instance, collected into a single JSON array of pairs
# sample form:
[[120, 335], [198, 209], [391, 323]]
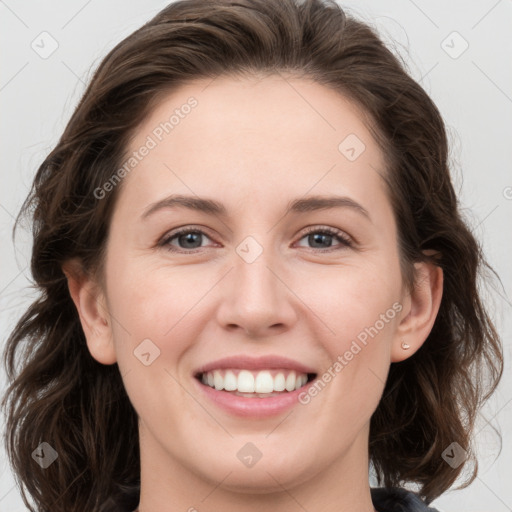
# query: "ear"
[[420, 310], [92, 309]]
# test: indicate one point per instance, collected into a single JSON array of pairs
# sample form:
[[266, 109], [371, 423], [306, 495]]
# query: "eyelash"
[[345, 241]]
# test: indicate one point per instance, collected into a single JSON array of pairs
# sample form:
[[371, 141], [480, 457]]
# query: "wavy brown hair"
[[59, 394]]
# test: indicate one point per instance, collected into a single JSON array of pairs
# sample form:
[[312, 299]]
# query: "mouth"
[[264, 383], [254, 387]]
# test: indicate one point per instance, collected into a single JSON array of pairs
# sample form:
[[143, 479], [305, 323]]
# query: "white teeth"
[[300, 381], [230, 381], [264, 383], [257, 382], [245, 382], [290, 381], [280, 382], [218, 381]]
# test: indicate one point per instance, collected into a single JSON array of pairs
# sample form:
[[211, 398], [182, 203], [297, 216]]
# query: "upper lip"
[[245, 362]]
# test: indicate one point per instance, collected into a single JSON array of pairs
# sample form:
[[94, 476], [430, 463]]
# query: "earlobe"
[[91, 305], [422, 308]]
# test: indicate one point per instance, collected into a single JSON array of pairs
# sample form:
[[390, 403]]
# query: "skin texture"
[[254, 144]]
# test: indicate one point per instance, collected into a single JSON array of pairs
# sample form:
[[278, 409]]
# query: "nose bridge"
[[254, 278], [257, 298]]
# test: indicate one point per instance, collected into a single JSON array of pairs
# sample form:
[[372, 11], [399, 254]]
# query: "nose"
[[257, 298]]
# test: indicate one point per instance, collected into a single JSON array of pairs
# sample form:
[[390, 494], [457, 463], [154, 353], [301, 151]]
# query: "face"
[[271, 286]]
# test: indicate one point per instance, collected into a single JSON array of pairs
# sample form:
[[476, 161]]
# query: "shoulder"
[[398, 500]]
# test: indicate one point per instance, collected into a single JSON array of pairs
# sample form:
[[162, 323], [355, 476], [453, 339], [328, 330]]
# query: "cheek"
[[151, 299], [155, 315], [364, 314], [354, 299], [153, 325], [362, 310]]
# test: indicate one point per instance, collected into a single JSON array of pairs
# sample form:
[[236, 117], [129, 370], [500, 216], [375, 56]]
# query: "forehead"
[[251, 135]]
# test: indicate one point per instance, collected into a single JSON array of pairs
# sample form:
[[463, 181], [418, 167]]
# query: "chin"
[[270, 473]]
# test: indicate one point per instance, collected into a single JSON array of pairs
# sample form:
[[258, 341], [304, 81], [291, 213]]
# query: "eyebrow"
[[210, 206]]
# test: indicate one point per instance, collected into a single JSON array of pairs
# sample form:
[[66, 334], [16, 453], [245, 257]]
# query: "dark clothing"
[[398, 500]]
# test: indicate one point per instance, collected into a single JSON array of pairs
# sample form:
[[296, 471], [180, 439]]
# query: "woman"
[[259, 369]]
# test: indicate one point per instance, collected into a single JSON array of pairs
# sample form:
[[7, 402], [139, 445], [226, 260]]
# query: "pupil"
[[318, 238], [189, 238]]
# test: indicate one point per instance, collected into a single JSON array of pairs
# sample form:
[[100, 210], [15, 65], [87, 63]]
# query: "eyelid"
[[188, 228], [346, 241]]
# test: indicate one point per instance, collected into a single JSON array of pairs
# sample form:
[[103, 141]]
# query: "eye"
[[187, 239], [321, 238], [190, 238]]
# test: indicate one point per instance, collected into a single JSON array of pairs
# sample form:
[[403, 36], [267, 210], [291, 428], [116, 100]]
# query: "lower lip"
[[253, 407]]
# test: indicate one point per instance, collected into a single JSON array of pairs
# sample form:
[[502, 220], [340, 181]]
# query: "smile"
[[251, 384], [253, 387]]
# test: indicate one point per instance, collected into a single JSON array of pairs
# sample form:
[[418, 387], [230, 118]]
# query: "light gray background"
[[473, 92]]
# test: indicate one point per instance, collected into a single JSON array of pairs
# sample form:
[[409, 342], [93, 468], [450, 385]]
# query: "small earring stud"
[[405, 346]]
